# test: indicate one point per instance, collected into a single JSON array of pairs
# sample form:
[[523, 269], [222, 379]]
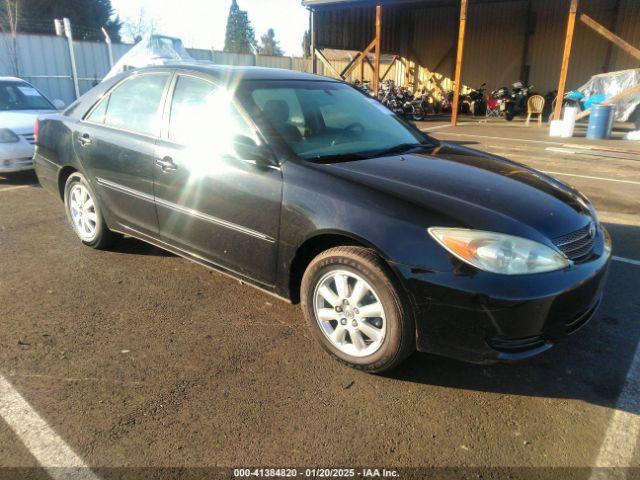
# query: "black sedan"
[[312, 191]]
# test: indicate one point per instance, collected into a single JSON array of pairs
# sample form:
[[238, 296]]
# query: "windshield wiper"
[[340, 157], [402, 148]]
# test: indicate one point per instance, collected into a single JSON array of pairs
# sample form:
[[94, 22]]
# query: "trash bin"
[[600, 121]]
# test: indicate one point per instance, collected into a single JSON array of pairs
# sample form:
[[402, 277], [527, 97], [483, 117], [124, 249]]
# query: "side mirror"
[[59, 104], [247, 149]]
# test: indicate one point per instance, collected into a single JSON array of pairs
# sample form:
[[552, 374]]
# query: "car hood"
[[475, 190], [21, 121]]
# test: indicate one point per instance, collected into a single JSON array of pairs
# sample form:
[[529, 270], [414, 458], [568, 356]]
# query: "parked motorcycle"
[[402, 101], [474, 102], [496, 102], [516, 102], [447, 102], [364, 86]]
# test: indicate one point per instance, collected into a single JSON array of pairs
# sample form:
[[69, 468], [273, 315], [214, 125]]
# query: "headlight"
[[499, 253], [7, 136]]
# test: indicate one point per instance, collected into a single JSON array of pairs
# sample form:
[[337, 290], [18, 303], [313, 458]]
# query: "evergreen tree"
[[270, 44], [306, 44], [240, 37], [87, 17]]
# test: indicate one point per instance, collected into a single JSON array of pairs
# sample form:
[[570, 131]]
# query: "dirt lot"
[[138, 358]]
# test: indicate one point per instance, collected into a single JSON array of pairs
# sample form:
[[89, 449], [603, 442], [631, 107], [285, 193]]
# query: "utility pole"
[[107, 39], [63, 28]]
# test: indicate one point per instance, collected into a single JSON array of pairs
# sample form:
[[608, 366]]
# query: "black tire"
[[508, 116], [103, 237], [399, 338], [418, 114]]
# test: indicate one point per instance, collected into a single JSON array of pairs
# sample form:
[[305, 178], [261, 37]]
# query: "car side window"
[[135, 105], [202, 112], [282, 108], [98, 113]]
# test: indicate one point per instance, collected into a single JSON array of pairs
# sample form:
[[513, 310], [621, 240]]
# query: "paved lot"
[[138, 358]]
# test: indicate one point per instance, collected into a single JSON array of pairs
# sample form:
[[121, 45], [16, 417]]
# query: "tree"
[[135, 29], [306, 44], [240, 37], [9, 18], [270, 44], [87, 17]]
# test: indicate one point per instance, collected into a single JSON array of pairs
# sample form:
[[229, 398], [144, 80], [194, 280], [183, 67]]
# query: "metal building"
[[504, 40]]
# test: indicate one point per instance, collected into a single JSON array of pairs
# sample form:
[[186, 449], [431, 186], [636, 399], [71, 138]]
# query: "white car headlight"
[[7, 136], [499, 253]]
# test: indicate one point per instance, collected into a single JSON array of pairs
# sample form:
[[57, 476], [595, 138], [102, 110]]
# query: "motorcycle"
[[575, 98], [402, 102], [516, 102], [364, 87], [496, 102], [447, 102], [474, 102]]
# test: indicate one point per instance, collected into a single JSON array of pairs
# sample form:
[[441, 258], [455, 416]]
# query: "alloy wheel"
[[349, 313], [83, 212]]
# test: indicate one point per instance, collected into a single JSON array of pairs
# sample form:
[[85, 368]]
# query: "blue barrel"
[[600, 121]]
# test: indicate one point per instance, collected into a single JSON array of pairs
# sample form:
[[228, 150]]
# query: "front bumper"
[[483, 318], [16, 165], [16, 157]]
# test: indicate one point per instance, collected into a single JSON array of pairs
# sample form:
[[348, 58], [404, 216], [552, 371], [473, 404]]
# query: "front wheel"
[[418, 114], [84, 213], [355, 309]]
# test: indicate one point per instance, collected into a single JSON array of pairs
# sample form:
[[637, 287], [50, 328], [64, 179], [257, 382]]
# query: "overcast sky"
[[202, 23]]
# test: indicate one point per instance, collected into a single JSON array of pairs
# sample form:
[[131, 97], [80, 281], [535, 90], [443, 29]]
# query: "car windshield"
[[330, 121], [22, 96]]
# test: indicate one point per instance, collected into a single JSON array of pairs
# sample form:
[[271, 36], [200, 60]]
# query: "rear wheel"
[[84, 213], [355, 309]]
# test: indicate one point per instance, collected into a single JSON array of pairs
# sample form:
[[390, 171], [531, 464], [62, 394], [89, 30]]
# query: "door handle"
[[166, 164], [85, 140]]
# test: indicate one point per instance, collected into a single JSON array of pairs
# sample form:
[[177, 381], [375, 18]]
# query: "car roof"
[[12, 79], [228, 72]]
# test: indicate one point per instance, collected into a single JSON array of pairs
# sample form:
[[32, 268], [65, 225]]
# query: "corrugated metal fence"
[[44, 61]]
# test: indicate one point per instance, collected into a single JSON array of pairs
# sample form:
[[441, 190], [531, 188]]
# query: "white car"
[[20, 104]]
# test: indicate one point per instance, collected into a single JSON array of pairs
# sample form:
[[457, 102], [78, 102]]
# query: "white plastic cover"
[[613, 83], [151, 50]]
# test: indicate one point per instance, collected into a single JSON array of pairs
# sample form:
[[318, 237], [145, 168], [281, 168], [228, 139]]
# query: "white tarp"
[[151, 50], [606, 85]]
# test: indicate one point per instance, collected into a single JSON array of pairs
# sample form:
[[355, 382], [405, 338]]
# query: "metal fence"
[[44, 61]]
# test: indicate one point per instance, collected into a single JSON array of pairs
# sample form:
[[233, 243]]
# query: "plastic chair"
[[535, 106]]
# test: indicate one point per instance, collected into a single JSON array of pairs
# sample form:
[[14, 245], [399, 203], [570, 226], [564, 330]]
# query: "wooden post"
[[407, 72], [571, 25], [458, 76], [376, 69], [386, 72], [312, 28], [327, 65], [358, 58], [612, 37]]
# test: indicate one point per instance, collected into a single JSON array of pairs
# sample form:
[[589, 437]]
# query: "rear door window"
[[135, 105]]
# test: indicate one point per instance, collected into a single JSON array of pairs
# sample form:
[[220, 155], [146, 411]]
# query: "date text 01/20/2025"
[[315, 473]]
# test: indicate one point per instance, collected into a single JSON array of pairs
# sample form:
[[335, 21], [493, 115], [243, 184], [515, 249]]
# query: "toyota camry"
[[304, 187]]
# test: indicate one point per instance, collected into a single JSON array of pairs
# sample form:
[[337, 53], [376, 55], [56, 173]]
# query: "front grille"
[[577, 245], [30, 138]]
